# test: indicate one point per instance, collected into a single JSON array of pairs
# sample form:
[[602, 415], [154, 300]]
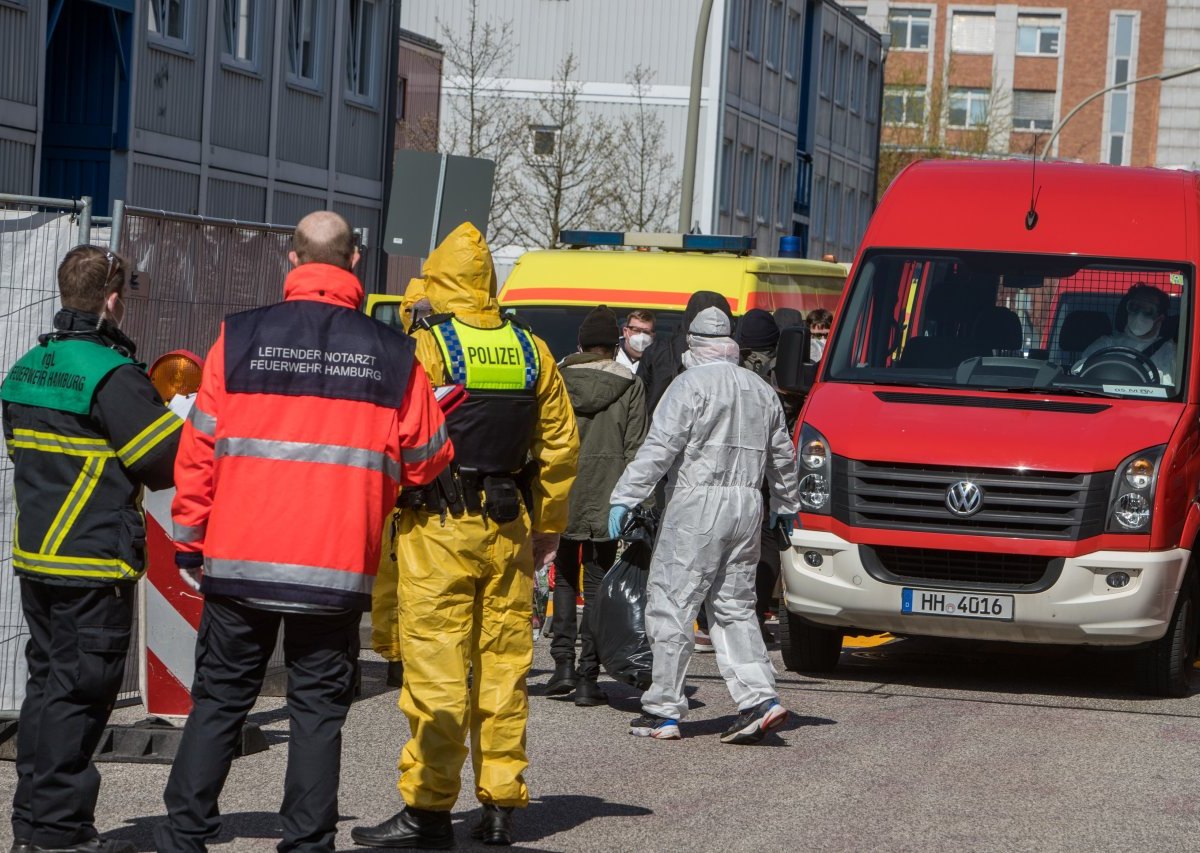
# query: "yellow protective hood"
[[460, 278], [414, 293]]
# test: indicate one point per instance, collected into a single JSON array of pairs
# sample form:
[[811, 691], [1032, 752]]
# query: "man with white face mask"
[[636, 335], [1146, 309], [717, 432]]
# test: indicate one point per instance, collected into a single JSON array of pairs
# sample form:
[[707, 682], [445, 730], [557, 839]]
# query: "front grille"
[[962, 568], [1029, 504]]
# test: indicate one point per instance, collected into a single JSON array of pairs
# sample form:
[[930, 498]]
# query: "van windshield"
[[558, 325], [1014, 322]]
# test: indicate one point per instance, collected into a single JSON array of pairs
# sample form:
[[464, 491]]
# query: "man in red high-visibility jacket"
[[309, 418]]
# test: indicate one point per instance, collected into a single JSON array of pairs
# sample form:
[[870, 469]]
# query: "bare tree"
[[923, 129], [567, 176], [646, 186], [480, 121]]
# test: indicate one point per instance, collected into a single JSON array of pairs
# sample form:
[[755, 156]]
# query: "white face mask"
[[639, 342], [1139, 325]]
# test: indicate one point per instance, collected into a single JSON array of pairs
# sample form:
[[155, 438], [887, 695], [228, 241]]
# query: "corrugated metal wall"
[[170, 85], [608, 37], [236, 200], [160, 188], [16, 167], [244, 100], [360, 141], [292, 205], [304, 127], [19, 46], [361, 216]]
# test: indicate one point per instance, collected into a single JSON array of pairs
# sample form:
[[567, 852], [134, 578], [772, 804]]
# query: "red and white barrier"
[[170, 618]]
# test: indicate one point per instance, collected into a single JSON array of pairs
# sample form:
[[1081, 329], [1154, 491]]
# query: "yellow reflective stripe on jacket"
[[501, 359], [149, 438], [50, 442], [67, 566], [76, 499]]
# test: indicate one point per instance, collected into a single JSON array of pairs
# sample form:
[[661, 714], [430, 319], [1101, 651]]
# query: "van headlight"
[[813, 467], [1132, 499]]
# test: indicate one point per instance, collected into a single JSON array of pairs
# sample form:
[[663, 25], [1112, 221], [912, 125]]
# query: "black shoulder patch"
[[304, 348]]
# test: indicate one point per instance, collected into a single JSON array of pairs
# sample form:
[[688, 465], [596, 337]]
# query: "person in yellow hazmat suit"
[[385, 602], [467, 547]]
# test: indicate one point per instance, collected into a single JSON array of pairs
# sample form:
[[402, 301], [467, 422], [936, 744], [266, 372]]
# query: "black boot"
[[494, 826], [588, 693], [95, 845], [21, 845], [563, 680], [395, 673], [409, 827]]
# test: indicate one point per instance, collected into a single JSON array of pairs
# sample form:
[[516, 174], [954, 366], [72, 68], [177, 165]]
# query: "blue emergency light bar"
[[652, 240]]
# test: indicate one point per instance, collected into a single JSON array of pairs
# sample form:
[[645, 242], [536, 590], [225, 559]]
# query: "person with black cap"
[[662, 360], [757, 336], [610, 409]]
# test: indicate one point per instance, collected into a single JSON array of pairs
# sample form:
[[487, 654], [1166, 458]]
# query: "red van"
[[1003, 439]]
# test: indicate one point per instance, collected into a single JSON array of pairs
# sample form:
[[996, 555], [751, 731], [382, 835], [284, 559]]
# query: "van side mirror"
[[792, 374]]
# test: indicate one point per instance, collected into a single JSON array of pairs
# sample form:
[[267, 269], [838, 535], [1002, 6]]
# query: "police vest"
[[67, 481], [493, 429]]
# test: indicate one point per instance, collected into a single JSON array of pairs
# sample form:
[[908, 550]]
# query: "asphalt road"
[[912, 746]]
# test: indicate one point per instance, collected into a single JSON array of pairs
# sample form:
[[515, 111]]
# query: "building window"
[[305, 19], [766, 167], [968, 107], [903, 105], [872, 91], [827, 59], [543, 140], [818, 206], [735, 23], [774, 33], [745, 182], [401, 98], [726, 174], [787, 193], [795, 41], [361, 61], [239, 21], [754, 28], [167, 21], [857, 83], [971, 32], [864, 214], [1122, 68], [909, 29], [1033, 110], [1037, 35], [842, 84]]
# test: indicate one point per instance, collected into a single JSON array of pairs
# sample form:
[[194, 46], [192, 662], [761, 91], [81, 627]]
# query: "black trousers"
[[596, 558], [78, 638], [233, 647]]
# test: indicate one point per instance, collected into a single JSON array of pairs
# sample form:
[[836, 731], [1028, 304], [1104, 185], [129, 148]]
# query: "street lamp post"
[[1162, 75], [693, 120]]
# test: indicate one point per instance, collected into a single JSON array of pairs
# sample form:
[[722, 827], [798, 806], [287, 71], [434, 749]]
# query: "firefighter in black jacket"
[[85, 430]]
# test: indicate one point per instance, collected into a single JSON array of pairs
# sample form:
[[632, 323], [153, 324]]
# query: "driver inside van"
[[1145, 313]]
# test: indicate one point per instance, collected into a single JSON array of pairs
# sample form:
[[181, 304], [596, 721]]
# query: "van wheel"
[[1164, 668], [806, 647]]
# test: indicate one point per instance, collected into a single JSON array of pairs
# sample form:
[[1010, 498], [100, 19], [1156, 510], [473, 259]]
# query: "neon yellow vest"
[[501, 359]]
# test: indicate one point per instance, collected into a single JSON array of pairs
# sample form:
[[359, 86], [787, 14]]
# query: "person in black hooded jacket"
[[661, 362]]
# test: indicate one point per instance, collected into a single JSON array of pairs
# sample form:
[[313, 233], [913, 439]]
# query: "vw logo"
[[964, 498]]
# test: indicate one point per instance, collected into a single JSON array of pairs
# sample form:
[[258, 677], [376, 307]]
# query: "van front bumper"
[[1079, 608]]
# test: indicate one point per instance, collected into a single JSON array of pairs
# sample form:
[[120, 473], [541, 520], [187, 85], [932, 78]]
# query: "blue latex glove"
[[788, 521], [617, 515]]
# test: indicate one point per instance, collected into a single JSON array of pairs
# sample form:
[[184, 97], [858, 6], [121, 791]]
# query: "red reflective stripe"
[[596, 296]]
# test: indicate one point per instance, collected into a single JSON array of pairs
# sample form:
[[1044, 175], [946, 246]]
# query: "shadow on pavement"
[[717, 726], [234, 826]]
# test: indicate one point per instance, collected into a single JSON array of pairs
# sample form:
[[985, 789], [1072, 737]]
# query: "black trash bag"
[[618, 615]]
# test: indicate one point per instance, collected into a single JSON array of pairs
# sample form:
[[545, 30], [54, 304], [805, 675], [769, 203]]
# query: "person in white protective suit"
[[717, 432]]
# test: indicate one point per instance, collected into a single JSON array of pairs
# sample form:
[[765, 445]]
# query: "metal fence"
[[35, 233], [191, 272]]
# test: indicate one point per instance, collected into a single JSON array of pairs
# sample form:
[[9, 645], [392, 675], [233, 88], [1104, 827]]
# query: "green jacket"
[[610, 408]]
